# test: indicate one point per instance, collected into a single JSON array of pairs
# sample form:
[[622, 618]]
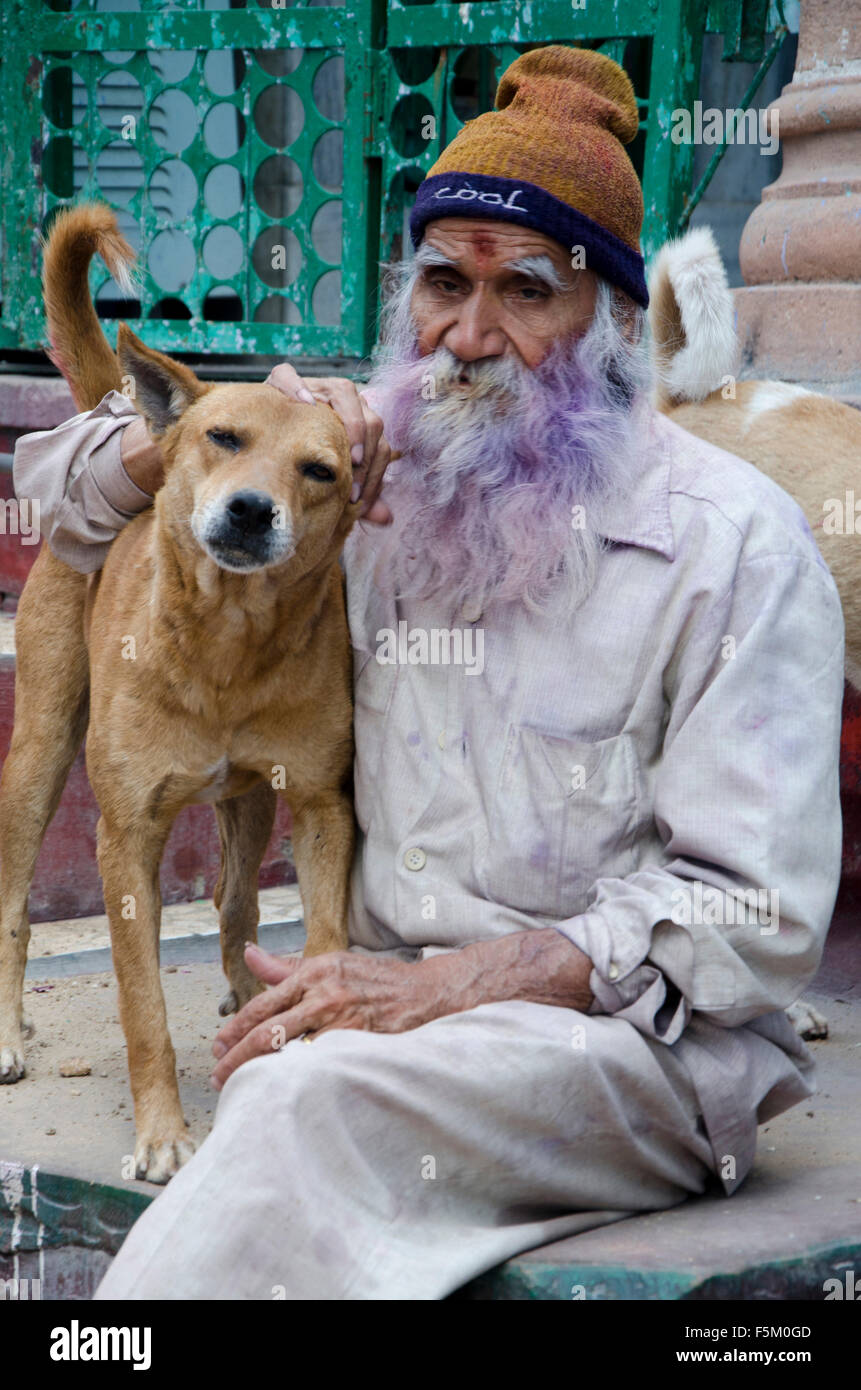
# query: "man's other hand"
[[142, 456], [341, 989], [369, 448], [345, 989]]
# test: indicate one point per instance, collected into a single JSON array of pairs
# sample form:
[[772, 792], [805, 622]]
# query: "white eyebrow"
[[428, 255], [539, 268]]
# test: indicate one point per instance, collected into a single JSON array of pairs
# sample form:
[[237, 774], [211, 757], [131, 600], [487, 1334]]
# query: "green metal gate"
[[263, 157]]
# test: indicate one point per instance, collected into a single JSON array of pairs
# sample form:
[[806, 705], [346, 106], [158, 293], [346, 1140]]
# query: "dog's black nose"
[[251, 512]]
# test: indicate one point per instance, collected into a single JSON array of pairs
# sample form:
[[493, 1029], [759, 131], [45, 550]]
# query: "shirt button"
[[441, 738], [613, 972], [470, 612], [415, 858]]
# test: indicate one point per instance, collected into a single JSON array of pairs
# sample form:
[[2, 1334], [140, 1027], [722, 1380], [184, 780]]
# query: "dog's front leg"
[[323, 839], [244, 826], [129, 863]]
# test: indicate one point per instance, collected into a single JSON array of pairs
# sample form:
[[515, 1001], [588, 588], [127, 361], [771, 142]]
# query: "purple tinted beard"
[[504, 526]]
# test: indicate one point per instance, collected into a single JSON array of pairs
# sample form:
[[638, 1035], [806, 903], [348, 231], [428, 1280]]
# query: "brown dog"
[[214, 653]]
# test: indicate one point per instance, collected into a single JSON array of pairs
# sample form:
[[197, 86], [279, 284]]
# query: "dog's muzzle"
[[244, 531]]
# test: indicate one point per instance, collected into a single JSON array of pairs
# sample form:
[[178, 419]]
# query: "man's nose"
[[476, 333], [250, 512]]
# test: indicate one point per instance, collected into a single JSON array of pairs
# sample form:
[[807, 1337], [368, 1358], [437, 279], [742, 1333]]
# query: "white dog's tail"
[[692, 319]]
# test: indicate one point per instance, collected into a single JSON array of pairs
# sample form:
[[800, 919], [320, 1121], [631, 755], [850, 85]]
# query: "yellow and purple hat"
[[551, 156]]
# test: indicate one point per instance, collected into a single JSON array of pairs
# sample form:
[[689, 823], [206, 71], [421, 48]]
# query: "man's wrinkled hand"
[[369, 448], [342, 989]]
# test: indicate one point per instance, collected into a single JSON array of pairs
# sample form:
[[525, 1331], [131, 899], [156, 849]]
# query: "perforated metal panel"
[[230, 142]]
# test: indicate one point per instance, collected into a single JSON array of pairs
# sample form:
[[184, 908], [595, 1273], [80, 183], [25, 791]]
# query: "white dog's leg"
[[807, 1021]]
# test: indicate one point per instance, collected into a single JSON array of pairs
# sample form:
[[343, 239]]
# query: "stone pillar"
[[799, 315]]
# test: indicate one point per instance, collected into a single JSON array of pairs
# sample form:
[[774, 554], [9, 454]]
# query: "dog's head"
[[255, 479]]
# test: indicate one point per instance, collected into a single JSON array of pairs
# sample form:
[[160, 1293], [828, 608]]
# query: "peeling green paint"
[[799, 1276]]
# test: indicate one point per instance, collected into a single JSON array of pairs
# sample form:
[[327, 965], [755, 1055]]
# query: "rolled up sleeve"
[[732, 921], [75, 473]]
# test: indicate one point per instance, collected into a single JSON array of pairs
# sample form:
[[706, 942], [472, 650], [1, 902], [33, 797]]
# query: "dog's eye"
[[320, 471], [225, 438]]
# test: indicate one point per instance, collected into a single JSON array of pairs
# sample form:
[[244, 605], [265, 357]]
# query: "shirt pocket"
[[373, 690], [564, 814]]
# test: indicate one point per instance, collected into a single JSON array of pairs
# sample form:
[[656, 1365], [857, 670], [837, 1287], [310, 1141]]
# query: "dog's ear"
[[162, 389]]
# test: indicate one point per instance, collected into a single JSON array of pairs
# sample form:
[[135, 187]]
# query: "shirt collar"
[[640, 515]]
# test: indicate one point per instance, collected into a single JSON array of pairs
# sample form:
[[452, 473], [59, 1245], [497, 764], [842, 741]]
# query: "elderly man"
[[598, 678]]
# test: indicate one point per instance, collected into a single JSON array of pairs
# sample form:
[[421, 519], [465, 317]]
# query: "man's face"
[[506, 385], [499, 296]]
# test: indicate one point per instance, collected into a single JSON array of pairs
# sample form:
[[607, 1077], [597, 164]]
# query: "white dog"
[[809, 444]]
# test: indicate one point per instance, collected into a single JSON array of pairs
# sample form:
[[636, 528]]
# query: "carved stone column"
[[799, 316]]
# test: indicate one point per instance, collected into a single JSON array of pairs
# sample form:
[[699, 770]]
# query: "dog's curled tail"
[[78, 346], [692, 319]]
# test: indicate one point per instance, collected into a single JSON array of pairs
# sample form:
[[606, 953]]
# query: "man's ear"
[[163, 389]]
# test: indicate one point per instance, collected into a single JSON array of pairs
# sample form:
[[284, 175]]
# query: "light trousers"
[[402, 1165]]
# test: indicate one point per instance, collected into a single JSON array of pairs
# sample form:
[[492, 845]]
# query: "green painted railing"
[[263, 157]]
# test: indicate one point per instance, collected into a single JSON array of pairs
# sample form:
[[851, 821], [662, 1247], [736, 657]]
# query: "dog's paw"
[[12, 1066], [241, 994], [157, 1160], [229, 1004], [808, 1022]]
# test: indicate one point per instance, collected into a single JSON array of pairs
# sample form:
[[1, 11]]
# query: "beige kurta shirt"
[[657, 778]]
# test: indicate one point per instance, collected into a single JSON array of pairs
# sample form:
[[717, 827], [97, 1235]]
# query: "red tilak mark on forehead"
[[483, 245]]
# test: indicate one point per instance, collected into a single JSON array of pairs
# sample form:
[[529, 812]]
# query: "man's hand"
[[369, 448], [347, 990], [141, 456], [342, 989]]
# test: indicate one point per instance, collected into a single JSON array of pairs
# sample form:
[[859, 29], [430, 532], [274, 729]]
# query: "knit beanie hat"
[[551, 157]]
